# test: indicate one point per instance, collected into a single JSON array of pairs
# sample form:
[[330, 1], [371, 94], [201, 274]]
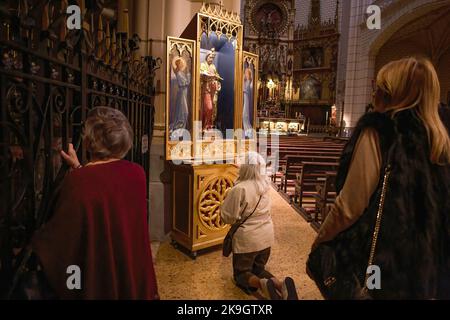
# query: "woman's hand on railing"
[[71, 157]]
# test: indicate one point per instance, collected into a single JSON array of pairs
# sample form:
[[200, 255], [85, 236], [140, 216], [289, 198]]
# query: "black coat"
[[413, 249], [444, 112]]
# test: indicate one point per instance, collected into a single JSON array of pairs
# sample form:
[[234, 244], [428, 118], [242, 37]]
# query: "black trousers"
[[250, 264]]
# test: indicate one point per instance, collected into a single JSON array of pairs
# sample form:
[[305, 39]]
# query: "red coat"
[[100, 225]]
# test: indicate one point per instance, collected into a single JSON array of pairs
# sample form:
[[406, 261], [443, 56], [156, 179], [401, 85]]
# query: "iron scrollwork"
[[50, 77]]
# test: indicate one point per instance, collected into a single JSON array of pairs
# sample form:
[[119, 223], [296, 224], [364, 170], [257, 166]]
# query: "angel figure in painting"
[[183, 80], [248, 94], [210, 80]]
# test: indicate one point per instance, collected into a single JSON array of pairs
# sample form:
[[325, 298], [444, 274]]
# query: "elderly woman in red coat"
[[99, 227]]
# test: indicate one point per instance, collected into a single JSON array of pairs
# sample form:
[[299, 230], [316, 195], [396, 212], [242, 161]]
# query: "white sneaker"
[[268, 290]]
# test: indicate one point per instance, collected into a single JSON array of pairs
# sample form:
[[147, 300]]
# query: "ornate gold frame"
[[199, 188], [190, 46], [211, 19], [254, 59], [215, 20]]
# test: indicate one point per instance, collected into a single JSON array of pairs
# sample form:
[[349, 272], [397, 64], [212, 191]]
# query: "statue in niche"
[[311, 88], [248, 94], [210, 87], [289, 65], [283, 59], [312, 58]]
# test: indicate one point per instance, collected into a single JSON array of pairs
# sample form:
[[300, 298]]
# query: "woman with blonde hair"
[[254, 238], [405, 137]]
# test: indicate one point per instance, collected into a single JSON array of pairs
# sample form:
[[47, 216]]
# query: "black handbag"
[[227, 247], [335, 280]]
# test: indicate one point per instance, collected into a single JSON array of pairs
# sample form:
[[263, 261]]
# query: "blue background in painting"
[[173, 94], [252, 94], [225, 63]]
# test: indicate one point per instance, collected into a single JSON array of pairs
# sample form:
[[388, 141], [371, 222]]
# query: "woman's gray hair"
[[107, 133], [253, 168]]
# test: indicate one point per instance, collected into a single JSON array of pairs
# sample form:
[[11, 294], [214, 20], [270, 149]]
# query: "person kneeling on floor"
[[250, 199]]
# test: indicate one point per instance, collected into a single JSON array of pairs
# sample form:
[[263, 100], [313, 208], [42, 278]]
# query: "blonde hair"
[[253, 169], [248, 73], [179, 64], [413, 83], [107, 133]]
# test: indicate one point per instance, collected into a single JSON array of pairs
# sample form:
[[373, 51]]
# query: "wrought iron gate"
[[49, 78]]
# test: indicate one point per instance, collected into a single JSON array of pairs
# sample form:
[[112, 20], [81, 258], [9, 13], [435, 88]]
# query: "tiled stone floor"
[[210, 275]]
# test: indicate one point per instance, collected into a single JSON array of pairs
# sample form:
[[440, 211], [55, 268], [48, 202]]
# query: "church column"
[[123, 21], [157, 48], [344, 20], [178, 15], [140, 24], [233, 5], [166, 18], [352, 108]]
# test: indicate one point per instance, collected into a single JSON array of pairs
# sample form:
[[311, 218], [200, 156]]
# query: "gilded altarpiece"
[[210, 117]]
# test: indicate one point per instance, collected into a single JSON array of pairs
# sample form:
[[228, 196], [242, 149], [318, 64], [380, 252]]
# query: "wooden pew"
[[326, 194], [308, 155], [294, 165], [311, 174]]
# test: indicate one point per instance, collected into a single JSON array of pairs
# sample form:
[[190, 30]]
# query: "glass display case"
[[282, 126]]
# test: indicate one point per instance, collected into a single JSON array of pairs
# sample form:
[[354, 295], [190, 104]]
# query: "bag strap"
[[376, 231], [259, 200], [243, 221]]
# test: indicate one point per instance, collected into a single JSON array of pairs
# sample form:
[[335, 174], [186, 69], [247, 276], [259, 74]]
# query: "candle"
[[45, 18], [125, 21], [113, 47], [100, 37], [108, 44], [82, 7]]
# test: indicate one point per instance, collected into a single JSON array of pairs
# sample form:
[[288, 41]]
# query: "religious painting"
[[211, 86], [310, 88], [217, 80], [269, 18], [312, 58], [180, 64], [249, 91]]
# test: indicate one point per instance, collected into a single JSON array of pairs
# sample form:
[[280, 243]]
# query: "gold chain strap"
[[376, 231]]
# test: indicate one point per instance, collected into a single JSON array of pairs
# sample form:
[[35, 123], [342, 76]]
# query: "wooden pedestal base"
[[197, 193]]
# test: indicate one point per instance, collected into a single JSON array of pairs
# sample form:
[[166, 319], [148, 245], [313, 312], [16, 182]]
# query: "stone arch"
[[400, 34], [411, 11], [365, 46]]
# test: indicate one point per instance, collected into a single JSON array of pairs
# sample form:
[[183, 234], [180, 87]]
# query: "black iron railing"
[[49, 79]]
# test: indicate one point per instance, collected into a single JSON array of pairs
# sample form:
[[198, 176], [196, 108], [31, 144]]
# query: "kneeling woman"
[[254, 238], [100, 219]]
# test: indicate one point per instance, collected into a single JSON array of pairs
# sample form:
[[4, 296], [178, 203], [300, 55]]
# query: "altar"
[[210, 120]]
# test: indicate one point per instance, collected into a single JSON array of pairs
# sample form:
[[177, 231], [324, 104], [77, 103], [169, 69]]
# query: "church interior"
[[200, 82]]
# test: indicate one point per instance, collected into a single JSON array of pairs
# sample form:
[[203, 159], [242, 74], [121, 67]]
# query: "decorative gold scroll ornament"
[[210, 201]]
